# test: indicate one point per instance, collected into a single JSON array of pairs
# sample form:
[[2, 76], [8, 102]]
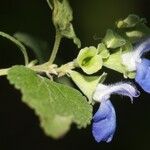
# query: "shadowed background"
[[19, 127]]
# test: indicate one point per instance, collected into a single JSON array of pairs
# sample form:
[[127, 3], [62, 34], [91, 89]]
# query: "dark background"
[[19, 127]]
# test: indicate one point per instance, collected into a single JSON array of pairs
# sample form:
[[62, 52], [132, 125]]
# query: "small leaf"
[[87, 84], [39, 47], [89, 60], [131, 21], [56, 105], [62, 17], [103, 51], [113, 40]]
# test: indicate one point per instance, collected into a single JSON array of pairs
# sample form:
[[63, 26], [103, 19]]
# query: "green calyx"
[[131, 21], [87, 84], [113, 40], [133, 28], [103, 51], [89, 60], [114, 62]]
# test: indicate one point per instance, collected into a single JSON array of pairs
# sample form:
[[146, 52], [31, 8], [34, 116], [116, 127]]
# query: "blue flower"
[[104, 120], [104, 124], [143, 75], [134, 62]]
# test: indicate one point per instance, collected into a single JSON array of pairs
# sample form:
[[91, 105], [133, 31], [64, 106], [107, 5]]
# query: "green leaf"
[[39, 47], [62, 17], [113, 40], [56, 105], [19, 45], [103, 51], [131, 21], [89, 60], [87, 84]]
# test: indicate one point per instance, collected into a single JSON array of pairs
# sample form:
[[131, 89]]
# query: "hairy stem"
[[55, 48], [49, 4], [4, 72]]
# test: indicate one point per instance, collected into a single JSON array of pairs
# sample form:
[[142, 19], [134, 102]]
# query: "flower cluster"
[[104, 120], [122, 49]]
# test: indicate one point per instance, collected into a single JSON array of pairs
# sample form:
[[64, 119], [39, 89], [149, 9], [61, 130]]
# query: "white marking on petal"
[[103, 92], [132, 58]]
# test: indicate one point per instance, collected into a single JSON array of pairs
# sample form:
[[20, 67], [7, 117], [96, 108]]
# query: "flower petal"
[[132, 58], [142, 47], [143, 75], [103, 92], [104, 124]]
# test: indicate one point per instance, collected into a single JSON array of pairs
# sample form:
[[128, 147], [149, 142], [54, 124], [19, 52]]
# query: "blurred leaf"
[[20, 45], [62, 17], [65, 80], [113, 40], [39, 47], [56, 105], [89, 60], [87, 84]]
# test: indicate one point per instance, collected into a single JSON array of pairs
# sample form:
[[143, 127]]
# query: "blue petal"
[[143, 75], [104, 124]]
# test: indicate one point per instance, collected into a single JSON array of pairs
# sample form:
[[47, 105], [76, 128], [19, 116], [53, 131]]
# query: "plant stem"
[[55, 48], [4, 71], [19, 44], [49, 4]]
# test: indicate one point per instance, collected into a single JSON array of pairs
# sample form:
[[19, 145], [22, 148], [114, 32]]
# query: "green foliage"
[[56, 105], [62, 17], [39, 47], [87, 84], [89, 60]]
